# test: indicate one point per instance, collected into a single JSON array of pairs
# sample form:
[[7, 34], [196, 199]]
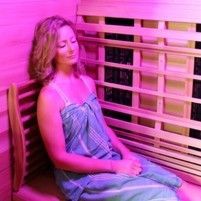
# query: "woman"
[[90, 162]]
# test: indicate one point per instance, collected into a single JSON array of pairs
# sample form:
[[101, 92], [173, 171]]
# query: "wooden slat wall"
[[163, 51], [17, 22], [164, 10]]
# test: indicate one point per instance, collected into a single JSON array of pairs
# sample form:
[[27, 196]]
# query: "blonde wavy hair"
[[44, 46]]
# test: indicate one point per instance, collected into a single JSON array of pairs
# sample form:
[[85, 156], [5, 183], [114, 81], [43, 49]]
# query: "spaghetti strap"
[[86, 84], [60, 92]]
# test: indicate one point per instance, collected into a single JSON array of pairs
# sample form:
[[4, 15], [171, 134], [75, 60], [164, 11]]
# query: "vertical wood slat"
[[189, 83], [136, 74], [101, 56], [17, 138], [161, 80]]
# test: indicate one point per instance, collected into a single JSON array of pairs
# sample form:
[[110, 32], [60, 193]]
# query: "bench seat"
[[41, 188]]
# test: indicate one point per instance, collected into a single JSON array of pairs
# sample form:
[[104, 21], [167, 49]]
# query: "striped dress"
[[85, 135]]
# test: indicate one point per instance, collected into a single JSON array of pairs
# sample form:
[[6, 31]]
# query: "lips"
[[71, 56]]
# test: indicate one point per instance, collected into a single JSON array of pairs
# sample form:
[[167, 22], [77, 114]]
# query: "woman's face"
[[67, 47]]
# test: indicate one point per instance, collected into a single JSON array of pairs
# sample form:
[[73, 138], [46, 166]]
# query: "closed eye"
[[61, 44]]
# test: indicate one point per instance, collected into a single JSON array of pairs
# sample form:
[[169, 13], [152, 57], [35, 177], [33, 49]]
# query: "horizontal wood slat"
[[150, 140], [166, 11], [160, 160], [175, 157], [150, 153], [174, 74], [149, 92], [143, 46], [185, 2], [175, 138], [152, 116], [186, 176], [139, 31]]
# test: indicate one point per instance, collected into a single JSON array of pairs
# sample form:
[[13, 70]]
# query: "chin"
[[73, 62]]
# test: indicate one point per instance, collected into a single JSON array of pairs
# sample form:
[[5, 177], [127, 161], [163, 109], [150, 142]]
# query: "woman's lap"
[[117, 187], [153, 183]]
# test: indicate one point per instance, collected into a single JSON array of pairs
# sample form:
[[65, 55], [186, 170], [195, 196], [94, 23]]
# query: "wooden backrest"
[[29, 155], [145, 57]]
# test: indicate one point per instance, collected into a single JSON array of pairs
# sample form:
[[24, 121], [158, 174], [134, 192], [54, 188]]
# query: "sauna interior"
[[145, 58]]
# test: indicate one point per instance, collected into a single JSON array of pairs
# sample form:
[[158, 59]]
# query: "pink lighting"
[[145, 59]]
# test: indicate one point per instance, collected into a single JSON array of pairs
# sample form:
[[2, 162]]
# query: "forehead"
[[65, 32]]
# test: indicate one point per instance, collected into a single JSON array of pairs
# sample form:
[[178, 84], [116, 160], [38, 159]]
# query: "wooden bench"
[[33, 176]]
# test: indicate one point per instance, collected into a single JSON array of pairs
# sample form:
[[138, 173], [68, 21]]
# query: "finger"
[[135, 160], [135, 173], [136, 164], [137, 169], [140, 170]]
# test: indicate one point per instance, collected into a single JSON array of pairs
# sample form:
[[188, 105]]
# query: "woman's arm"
[[123, 150], [50, 124], [116, 143]]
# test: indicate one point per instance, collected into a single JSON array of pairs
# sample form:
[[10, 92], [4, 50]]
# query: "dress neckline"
[[77, 105]]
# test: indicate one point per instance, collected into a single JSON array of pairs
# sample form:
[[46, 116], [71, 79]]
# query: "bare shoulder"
[[49, 98], [90, 82], [46, 94]]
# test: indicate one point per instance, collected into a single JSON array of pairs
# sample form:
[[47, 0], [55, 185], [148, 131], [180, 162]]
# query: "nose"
[[70, 46]]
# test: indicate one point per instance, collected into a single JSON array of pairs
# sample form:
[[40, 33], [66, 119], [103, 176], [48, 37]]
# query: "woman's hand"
[[131, 156], [128, 167]]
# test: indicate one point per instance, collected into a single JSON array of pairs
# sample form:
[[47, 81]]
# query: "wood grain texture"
[[17, 21], [163, 54], [158, 10]]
